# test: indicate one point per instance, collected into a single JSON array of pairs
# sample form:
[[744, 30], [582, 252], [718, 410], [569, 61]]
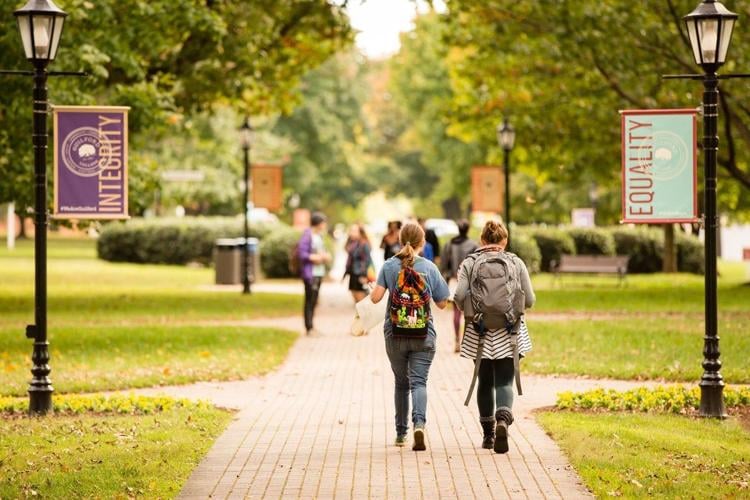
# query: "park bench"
[[592, 264]]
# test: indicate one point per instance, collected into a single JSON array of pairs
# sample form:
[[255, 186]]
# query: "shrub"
[[552, 244], [690, 254], [644, 246], [73, 404], [592, 241], [169, 241], [526, 248], [662, 399], [275, 250]]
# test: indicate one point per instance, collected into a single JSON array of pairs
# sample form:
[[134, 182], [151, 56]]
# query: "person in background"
[[410, 337], [454, 253], [428, 252], [358, 262], [390, 243], [496, 370], [431, 237], [313, 258]]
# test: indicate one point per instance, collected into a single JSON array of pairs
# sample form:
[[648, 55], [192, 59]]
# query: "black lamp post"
[[40, 23], [246, 137], [506, 138], [710, 30]]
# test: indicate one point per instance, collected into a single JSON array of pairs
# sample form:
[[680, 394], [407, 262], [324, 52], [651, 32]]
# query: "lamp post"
[[506, 138], [246, 136], [40, 23], [710, 28]]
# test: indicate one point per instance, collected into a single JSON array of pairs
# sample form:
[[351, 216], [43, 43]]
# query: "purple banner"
[[91, 162]]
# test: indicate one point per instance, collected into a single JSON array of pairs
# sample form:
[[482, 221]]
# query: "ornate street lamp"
[[40, 23], [506, 138], [710, 28], [246, 139]]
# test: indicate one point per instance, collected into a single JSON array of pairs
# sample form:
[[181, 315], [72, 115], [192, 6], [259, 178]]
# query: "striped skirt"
[[496, 343]]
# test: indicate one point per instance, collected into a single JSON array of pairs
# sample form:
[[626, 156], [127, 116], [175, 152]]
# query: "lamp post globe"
[[246, 139], [40, 23], [710, 28], [506, 139]]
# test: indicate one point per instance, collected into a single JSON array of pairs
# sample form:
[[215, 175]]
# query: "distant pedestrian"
[[313, 258], [430, 237], [410, 337], [496, 356], [390, 242], [358, 262], [454, 253]]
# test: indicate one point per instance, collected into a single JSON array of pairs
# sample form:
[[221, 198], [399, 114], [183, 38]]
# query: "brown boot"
[[504, 418]]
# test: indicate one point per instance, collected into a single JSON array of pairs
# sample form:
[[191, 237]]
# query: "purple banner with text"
[[91, 162]]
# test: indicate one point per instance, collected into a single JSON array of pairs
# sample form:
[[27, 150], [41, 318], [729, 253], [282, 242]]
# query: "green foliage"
[[691, 255], [107, 455], [552, 244], [662, 399], [169, 241], [592, 241], [653, 455], [644, 246], [526, 248], [275, 251], [72, 404]]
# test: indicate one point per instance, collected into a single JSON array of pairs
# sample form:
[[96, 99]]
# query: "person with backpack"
[[410, 337], [454, 253], [493, 290], [358, 262], [312, 257]]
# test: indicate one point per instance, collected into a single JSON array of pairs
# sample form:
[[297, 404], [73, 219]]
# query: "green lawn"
[[105, 456], [654, 456], [114, 326]]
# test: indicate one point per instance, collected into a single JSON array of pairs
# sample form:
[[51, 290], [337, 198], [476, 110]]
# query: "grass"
[[115, 326], [654, 456], [105, 456], [637, 347]]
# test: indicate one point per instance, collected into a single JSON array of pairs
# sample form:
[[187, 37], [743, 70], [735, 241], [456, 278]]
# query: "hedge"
[[644, 246], [169, 241], [552, 244], [275, 250], [526, 248], [592, 241], [690, 254]]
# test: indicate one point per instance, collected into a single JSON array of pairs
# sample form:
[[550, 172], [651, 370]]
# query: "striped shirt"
[[496, 342]]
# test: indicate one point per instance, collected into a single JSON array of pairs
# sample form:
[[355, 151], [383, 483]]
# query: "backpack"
[[410, 305], [495, 293]]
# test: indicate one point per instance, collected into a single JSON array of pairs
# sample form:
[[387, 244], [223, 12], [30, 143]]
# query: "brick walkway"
[[322, 427]]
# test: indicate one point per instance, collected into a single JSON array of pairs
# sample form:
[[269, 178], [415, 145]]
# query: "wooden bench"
[[592, 264]]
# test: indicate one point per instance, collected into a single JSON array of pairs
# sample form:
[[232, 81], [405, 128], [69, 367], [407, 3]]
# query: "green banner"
[[659, 166]]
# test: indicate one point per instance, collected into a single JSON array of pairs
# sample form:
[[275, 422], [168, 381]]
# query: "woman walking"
[[496, 371], [454, 253], [390, 242], [358, 262], [412, 282]]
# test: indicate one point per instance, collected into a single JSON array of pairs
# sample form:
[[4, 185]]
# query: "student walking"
[[390, 242], [358, 262], [313, 258], [412, 282], [454, 253], [496, 369]]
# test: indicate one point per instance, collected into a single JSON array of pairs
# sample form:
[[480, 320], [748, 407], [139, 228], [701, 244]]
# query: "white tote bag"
[[369, 316]]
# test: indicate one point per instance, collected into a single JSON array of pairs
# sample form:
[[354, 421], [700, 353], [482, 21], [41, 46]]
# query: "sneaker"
[[401, 441], [501, 437], [419, 440]]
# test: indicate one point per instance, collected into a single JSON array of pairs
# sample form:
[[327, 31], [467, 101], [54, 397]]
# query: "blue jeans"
[[410, 362]]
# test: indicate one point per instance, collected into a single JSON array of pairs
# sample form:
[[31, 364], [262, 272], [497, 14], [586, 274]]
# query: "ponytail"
[[411, 238]]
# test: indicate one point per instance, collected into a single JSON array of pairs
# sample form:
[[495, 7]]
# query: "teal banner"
[[659, 165]]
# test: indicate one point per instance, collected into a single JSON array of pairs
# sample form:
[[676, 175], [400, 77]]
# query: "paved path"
[[321, 426]]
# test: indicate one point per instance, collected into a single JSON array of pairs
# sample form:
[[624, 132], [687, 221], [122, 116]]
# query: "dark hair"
[[494, 233], [411, 238], [463, 227], [317, 219], [362, 232]]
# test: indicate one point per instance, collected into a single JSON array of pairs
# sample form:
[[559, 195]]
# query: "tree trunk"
[[670, 250], [22, 234]]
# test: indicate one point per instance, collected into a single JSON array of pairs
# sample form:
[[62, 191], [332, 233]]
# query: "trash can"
[[228, 261], [253, 257]]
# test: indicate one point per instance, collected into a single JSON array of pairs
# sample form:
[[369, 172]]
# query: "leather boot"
[[488, 427], [504, 418]]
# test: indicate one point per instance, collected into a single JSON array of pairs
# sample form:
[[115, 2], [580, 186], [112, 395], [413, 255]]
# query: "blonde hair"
[[411, 238], [494, 233]]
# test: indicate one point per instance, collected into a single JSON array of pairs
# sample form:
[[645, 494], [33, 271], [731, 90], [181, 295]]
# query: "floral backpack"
[[410, 305]]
